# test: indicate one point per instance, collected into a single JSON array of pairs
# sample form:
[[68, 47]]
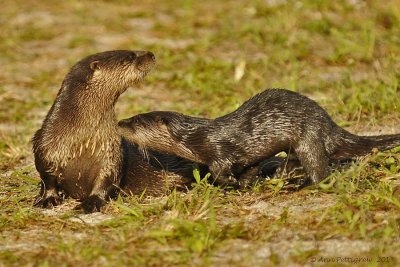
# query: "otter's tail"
[[354, 146]]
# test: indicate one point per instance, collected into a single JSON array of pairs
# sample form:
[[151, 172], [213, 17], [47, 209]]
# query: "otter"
[[272, 121], [78, 149]]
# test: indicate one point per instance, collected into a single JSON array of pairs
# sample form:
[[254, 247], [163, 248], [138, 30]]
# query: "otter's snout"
[[145, 56], [131, 122], [145, 60], [124, 123]]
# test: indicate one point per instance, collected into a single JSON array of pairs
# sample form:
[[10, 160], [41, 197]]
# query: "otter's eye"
[[132, 57]]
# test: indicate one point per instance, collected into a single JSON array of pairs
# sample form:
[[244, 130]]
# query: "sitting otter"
[[272, 121], [79, 151]]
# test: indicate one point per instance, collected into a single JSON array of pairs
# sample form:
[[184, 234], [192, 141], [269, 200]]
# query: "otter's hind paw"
[[91, 204]]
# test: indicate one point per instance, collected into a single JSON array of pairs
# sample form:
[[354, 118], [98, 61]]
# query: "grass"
[[344, 54]]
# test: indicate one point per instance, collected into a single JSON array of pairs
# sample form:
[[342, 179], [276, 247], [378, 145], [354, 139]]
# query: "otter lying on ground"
[[272, 121]]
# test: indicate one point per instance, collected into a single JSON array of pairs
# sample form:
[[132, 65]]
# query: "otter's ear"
[[95, 65]]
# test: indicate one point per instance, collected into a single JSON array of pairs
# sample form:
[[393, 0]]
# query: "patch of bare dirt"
[[260, 253], [296, 205]]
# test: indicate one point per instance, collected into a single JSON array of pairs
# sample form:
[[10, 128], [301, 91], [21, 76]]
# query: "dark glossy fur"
[[272, 121], [79, 151]]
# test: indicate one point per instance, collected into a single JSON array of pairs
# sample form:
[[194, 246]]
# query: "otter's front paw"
[[227, 181], [91, 204], [47, 201]]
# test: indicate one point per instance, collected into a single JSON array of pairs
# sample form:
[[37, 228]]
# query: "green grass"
[[344, 54]]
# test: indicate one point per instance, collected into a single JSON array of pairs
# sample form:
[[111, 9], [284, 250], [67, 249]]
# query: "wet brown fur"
[[273, 121]]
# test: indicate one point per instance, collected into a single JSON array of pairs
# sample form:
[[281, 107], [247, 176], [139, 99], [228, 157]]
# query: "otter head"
[[109, 73], [149, 130], [145, 129]]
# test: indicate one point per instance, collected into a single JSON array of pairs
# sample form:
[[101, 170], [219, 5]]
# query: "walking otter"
[[78, 149], [272, 121]]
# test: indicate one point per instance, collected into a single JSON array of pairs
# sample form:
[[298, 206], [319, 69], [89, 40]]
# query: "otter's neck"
[[83, 109], [76, 122], [190, 141]]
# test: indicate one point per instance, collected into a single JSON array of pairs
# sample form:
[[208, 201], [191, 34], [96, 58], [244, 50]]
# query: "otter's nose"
[[145, 61], [151, 55]]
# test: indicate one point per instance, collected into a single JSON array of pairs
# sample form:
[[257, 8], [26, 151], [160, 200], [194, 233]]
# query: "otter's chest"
[[77, 174], [77, 177]]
